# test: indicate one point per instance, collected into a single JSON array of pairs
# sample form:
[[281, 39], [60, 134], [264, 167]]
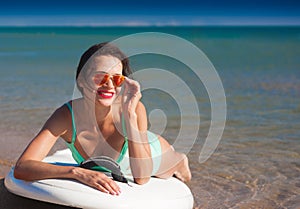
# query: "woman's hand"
[[96, 180], [131, 96]]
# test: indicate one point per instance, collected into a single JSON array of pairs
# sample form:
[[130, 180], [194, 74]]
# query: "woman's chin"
[[105, 102]]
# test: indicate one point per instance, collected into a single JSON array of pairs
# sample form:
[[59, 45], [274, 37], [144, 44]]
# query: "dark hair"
[[104, 48]]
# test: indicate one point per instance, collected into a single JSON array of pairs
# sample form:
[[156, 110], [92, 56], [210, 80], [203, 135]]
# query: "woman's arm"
[[30, 166], [136, 126]]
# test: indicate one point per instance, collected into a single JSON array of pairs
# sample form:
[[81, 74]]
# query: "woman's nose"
[[109, 83]]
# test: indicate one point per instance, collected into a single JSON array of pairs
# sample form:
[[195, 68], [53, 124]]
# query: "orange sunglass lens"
[[101, 79], [118, 80]]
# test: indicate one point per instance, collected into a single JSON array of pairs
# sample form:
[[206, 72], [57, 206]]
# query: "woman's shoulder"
[[61, 121], [68, 105], [64, 110], [60, 117]]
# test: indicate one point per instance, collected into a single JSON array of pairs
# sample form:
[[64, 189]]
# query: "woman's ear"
[[80, 82]]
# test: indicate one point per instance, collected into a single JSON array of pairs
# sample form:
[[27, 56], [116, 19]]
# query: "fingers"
[[132, 87], [98, 181], [131, 95], [108, 186]]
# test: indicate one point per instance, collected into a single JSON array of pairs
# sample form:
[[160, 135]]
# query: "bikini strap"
[[73, 123]]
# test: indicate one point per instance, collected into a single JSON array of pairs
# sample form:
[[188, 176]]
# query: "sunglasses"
[[102, 78]]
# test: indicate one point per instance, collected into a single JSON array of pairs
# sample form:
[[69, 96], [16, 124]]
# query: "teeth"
[[106, 93]]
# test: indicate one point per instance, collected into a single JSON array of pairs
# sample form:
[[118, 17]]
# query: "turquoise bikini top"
[[78, 157]]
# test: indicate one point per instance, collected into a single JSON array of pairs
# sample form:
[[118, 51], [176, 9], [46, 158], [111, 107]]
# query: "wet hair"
[[106, 49]]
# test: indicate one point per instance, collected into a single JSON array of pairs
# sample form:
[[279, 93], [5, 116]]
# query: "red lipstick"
[[105, 94]]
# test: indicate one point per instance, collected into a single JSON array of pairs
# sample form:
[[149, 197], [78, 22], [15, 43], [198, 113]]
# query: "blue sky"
[[158, 13]]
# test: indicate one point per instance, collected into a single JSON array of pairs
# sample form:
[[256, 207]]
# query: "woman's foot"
[[183, 173]]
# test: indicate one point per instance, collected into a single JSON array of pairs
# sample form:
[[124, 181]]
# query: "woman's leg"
[[173, 163]]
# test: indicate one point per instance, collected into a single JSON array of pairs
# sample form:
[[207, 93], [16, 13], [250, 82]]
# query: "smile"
[[105, 94]]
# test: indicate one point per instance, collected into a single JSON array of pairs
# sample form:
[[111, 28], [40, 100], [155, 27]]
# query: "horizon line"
[[145, 21], [157, 26]]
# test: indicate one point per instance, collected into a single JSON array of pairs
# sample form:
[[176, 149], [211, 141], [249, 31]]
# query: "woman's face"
[[105, 90]]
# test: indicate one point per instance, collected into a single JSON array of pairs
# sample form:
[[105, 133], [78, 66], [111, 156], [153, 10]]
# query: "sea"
[[230, 94]]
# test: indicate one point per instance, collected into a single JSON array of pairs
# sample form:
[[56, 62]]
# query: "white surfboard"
[[157, 193]]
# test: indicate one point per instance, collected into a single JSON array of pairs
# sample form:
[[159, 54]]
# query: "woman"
[[108, 120]]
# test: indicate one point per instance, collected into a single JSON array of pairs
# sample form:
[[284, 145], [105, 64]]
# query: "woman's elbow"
[[20, 171], [141, 181], [18, 174], [141, 174], [141, 177]]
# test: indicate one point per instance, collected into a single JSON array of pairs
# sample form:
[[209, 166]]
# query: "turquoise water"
[[257, 161]]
